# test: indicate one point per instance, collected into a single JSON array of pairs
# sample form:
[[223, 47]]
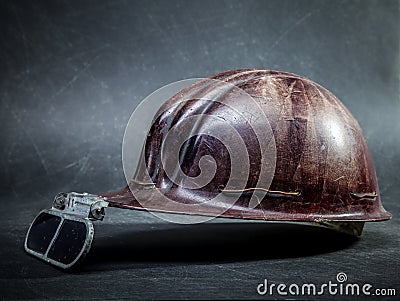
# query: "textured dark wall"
[[71, 73]]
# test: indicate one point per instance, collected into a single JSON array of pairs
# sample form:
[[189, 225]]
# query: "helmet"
[[247, 144]]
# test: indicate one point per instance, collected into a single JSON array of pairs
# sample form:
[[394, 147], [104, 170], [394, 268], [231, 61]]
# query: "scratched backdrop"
[[73, 71]]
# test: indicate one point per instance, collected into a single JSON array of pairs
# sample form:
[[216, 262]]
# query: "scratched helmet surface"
[[322, 169]]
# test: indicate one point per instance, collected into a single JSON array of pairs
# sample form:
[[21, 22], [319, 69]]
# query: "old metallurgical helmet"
[[245, 144]]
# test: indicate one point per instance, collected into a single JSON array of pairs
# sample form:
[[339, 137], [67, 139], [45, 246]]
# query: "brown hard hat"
[[246, 144], [323, 172]]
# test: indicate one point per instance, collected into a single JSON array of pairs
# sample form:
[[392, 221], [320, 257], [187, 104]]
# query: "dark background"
[[72, 73]]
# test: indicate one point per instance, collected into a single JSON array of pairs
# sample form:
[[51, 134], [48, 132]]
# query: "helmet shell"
[[323, 167]]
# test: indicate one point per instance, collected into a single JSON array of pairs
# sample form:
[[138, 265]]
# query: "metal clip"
[[82, 205]]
